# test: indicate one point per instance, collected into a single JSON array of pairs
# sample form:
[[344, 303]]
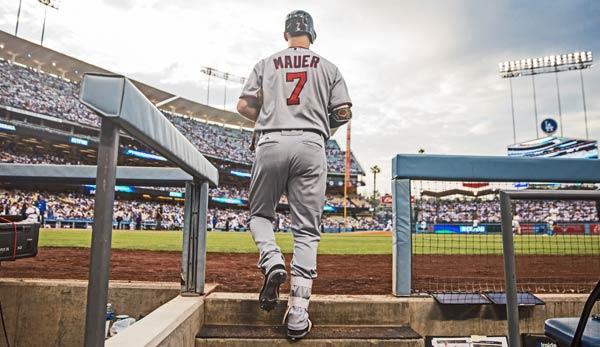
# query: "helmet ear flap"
[[285, 36]]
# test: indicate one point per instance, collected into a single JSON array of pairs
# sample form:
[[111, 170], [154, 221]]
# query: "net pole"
[[508, 251], [347, 168]]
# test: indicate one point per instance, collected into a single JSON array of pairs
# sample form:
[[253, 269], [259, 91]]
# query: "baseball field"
[[349, 263], [375, 242]]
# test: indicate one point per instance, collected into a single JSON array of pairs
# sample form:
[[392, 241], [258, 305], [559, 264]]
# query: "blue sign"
[[230, 201], [144, 155], [91, 189], [549, 126], [8, 127], [78, 141], [458, 229], [240, 174]]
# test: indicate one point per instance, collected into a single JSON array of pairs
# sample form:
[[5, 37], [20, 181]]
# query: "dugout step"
[[344, 310], [275, 335]]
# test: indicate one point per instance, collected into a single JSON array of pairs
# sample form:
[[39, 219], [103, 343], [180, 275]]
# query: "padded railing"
[[122, 107]]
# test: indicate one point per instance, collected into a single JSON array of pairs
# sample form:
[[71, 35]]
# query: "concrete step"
[[243, 309], [252, 335]]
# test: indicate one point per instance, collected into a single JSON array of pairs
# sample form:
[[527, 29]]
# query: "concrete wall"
[[429, 318], [52, 312], [174, 324]]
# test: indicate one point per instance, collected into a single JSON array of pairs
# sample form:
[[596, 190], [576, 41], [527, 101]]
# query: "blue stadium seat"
[[577, 332], [563, 330]]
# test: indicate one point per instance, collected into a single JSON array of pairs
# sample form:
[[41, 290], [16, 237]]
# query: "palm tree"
[[375, 170]]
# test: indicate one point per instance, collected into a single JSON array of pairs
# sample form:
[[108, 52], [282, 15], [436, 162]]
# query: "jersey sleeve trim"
[[349, 104]]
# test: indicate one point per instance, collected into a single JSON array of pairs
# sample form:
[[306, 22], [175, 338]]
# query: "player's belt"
[[290, 131]]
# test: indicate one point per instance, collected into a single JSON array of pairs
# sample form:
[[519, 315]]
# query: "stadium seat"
[[577, 332]]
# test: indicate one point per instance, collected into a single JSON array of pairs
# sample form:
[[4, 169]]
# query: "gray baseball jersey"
[[299, 87]]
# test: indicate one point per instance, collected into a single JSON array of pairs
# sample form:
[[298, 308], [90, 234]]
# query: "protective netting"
[[457, 239]]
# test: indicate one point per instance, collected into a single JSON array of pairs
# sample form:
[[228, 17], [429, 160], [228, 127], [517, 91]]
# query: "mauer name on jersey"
[[297, 61]]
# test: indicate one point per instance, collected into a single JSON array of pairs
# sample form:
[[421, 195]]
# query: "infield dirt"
[[338, 274]]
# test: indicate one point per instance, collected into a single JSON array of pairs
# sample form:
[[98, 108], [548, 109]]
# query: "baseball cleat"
[[295, 335], [269, 294]]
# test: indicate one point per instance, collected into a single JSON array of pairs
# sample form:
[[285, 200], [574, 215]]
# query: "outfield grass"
[[492, 244], [236, 242], [347, 243]]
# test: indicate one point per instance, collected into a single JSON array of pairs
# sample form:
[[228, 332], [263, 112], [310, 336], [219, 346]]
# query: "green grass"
[[492, 244], [236, 242]]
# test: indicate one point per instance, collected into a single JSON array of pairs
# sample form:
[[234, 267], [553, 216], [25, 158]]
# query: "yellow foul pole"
[[347, 168]]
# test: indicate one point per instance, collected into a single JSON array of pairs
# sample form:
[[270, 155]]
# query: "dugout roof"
[[27, 53]]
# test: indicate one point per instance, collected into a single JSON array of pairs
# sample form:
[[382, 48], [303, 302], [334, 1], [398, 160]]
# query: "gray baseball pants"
[[292, 162]]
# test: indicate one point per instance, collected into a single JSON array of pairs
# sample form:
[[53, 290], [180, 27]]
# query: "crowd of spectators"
[[8, 154], [35, 91], [488, 211], [61, 208]]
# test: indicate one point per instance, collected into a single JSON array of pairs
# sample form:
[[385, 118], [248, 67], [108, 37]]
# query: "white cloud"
[[422, 74]]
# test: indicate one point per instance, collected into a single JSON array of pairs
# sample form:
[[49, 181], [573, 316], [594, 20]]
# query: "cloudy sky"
[[422, 74]]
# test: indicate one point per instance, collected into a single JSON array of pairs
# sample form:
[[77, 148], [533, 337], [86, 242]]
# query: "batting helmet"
[[300, 22]]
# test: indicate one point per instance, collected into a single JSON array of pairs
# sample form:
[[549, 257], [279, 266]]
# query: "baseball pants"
[[292, 162]]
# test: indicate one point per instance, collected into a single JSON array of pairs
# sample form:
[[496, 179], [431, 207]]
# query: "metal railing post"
[[201, 237], [193, 255], [97, 291], [401, 238], [186, 284], [508, 251]]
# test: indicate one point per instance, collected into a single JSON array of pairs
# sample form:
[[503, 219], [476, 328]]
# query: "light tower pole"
[[18, 16], [224, 76], [587, 132], [46, 3]]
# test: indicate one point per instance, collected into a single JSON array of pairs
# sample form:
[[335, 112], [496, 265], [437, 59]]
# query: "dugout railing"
[[409, 168], [122, 107], [510, 273]]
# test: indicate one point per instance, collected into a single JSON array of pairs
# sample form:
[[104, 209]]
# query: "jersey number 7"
[[294, 99]]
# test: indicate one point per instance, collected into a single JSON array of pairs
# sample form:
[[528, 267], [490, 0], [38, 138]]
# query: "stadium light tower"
[[548, 64], [47, 3], [209, 71]]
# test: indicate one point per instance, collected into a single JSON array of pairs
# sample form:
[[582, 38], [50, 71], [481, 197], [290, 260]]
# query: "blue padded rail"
[[496, 169]]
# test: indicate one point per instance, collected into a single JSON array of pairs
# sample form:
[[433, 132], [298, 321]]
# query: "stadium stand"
[[75, 209], [25, 88], [43, 122], [488, 211]]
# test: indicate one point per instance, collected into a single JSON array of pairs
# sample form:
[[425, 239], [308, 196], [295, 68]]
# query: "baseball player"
[[297, 99]]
